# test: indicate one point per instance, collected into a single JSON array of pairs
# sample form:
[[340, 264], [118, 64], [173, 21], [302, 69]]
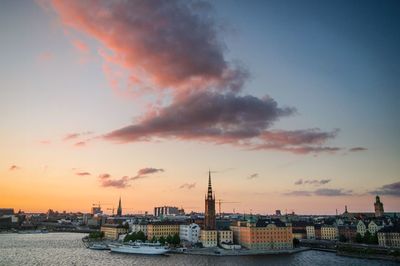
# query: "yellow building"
[[329, 232], [112, 231], [162, 229], [225, 236], [389, 237], [209, 238], [265, 234]]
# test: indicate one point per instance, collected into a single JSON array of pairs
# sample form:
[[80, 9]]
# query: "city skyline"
[[293, 106]]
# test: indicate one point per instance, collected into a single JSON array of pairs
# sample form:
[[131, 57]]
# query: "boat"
[[99, 246], [139, 247]]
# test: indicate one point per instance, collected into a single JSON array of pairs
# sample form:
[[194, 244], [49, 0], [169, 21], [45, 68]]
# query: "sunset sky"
[[293, 105]]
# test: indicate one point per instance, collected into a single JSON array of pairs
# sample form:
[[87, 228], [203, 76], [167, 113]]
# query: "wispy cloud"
[[312, 182], [73, 136], [82, 173], [142, 173], [327, 192], [358, 149], [107, 181], [188, 186], [14, 167], [392, 189], [253, 176]]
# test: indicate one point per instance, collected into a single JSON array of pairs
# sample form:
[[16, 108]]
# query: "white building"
[[136, 227], [361, 228], [189, 232], [373, 227], [310, 229], [165, 210]]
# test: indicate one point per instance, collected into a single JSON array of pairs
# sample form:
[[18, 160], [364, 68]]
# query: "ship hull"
[[139, 250]]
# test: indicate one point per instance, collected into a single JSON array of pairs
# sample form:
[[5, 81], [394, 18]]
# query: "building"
[[278, 213], [225, 236], [112, 231], [162, 229], [329, 232], [317, 231], [310, 231], [348, 232], [299, 233], [374, 226], [379, 212], [166, 210], [209, 238], [189, 232], [6, 211], [119, 210], [361, 228], [389, 236], [263, 235], [96, 210], [209, 214], [136, 227]]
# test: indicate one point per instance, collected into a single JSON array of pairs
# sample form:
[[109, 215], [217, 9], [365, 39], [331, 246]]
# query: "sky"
[[292, 105]]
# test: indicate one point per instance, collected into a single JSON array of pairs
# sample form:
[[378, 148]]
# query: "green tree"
[[169, 239], [342, 238], [154, 239], [162, 240], [359, 238], [373, 239], [367, 237], [140, 236], [176, 240], [296, 242]]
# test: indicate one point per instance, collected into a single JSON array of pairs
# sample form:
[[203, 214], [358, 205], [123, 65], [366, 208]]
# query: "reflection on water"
[[68, 249]]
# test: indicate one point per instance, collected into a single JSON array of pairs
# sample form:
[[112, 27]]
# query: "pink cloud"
[[171, 43], [80, 46], [45, 56], [83, 173], [175, 45], [107, 181]]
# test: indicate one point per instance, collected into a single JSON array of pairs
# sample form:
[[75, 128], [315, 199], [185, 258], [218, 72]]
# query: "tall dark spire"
[[209, 214], [119, 210], [209, 192]]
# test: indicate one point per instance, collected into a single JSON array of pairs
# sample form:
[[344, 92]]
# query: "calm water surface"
[[68, 249]]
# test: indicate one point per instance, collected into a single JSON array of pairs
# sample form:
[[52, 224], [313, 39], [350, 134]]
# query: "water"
[[68, 249]]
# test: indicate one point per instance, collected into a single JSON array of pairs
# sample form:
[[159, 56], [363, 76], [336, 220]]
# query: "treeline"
[[170, 239], [96, 235], [368, 238]]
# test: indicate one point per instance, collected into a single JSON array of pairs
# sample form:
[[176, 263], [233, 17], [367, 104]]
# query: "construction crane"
[[220, 201], [112, 209]]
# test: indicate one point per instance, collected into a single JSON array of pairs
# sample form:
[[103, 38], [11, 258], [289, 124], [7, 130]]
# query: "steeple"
[[119, 210], [209, 192]]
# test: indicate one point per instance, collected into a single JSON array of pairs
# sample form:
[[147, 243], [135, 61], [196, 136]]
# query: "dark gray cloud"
[[332, 192], [224, 119], [253, 176], [300, 193], [315, 182], [327, 192], [188, 186], [357, 149], [392, 189]]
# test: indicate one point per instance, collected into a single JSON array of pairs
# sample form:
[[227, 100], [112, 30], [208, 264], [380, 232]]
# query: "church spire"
[[209, 192], [119, 210]]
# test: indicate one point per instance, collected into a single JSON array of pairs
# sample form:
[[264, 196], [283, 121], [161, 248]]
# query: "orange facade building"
[[263, 234]]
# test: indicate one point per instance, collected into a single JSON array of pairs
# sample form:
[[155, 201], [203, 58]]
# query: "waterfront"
[[68, 249]]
